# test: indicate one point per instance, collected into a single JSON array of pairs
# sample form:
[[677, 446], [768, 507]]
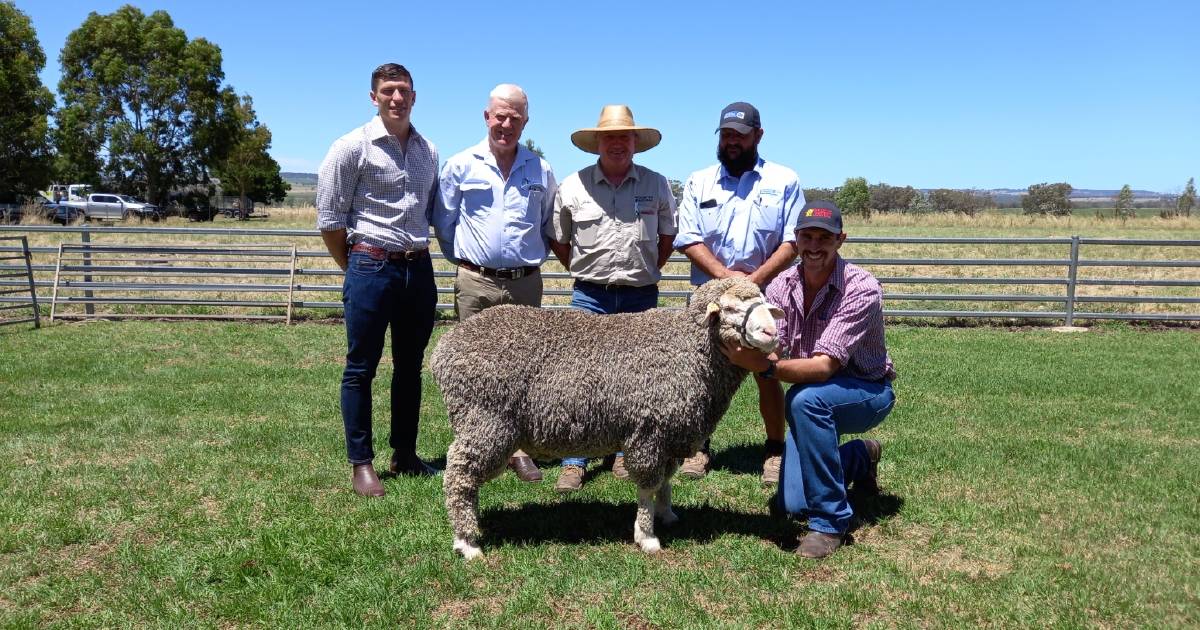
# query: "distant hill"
[[299, 179]]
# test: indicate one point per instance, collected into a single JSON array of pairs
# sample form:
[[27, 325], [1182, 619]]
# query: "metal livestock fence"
[[164, 271]]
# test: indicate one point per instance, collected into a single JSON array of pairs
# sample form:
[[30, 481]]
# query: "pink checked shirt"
[[846, 321]]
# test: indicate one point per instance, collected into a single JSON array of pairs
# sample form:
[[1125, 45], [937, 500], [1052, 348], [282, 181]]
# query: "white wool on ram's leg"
[[643, 523], [467, 550]]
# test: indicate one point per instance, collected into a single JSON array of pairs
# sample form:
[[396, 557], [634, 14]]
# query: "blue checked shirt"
[[741, 220], [485, 220], [381, 193]]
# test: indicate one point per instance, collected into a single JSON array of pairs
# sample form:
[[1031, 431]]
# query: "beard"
[[740, 164]]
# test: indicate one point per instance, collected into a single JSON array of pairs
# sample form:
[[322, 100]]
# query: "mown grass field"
[[193, 475]]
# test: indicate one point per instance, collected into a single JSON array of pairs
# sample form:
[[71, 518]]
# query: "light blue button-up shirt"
[[742, 220], [491, 222]]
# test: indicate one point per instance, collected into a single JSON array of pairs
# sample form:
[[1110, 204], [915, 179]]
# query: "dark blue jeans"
[[606, 301], [815, 470], [377, 294]]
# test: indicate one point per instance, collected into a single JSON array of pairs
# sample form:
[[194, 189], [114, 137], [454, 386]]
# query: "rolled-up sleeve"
[[792, 203], [850, 323], [688, 226], [666, 209], [561, 224], [776, 294], [336, 182], [445, 213], [548, 202]]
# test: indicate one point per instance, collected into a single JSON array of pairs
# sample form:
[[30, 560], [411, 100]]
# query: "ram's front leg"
[[643, 523], [662, 503]]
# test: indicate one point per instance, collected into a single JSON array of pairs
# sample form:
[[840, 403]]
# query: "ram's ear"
[[713, 311]]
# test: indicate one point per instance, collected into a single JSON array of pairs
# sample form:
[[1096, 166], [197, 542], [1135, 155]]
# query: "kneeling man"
[[833, 333]]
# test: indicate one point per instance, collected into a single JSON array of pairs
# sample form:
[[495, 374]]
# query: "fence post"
[[1072, 273], [86, 237], [37, 315]]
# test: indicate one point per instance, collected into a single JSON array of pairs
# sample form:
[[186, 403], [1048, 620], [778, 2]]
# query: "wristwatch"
[[770, 371]]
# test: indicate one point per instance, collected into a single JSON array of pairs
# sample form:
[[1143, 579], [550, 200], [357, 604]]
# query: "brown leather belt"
[[508, 273], [380, 253]]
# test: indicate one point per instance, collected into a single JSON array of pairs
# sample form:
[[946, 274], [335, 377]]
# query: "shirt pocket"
[[476, 194], [647, 217], [587, 220], [767, 216]]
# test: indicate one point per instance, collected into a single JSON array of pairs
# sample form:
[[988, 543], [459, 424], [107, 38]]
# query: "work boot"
[[570, 479], [618, 467], [524, 468], [868, 484], [696, 466], [366, 481], [770, 475], [819, 545], [410, 464]]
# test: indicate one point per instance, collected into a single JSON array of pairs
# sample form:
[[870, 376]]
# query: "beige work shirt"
[[613, 232]]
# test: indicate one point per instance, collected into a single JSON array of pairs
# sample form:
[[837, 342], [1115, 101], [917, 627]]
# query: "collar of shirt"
[[794, 284], [723, 173], [483, 151], [376, 130], [598, 174]]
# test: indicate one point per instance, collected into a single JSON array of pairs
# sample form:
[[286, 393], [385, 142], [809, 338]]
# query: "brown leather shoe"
[[869, 483], [524, 468], [618, 467], [366, 481], [570, 479], [696, 466], [770, 475], [411, 464], [819, 545]]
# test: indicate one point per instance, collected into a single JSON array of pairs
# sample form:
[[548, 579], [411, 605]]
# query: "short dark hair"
[[390, 72]]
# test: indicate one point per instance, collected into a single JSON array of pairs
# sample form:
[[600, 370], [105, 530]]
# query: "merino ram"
[[565, 382]]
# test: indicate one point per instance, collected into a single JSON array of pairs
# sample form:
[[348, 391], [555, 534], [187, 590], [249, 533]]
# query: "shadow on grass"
[[597, 522], [740, 459]]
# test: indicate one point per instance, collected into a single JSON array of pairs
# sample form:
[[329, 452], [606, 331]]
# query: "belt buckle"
[[516, 273]]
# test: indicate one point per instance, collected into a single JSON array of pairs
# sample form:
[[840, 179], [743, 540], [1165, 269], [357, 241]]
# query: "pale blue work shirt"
[[742, 220], [489, 221]]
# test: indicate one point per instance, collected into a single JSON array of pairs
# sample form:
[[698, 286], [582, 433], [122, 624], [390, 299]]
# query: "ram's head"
[[740, 312]]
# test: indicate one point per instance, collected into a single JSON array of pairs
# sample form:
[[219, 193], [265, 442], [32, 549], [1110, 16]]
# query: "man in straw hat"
[[497, 198], [736, 218], [613, 228]]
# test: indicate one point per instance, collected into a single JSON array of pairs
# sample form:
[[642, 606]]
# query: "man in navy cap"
[[736, 218], [832, 349]]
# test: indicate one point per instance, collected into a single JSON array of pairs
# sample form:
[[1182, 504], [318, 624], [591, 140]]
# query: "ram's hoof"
[[650, 545], [668, 517], [467, 550]]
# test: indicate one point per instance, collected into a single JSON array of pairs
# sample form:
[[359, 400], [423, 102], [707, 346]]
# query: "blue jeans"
[[815, 470], [378, 293], [598, 299]]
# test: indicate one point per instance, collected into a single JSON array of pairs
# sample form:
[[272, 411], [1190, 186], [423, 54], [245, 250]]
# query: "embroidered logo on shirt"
[[643, 198], [769, 191]]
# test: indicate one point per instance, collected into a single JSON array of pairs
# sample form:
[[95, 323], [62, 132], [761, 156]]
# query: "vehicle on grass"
[[109, 206]]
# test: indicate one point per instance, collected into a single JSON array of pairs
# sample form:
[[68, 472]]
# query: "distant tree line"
[[857, 197], [145, 111]]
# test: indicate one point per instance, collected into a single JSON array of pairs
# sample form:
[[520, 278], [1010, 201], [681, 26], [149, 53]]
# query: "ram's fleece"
[[566, 382]]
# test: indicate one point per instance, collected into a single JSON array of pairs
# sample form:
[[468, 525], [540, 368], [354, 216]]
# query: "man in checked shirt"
[[375, 195], [833, 333]]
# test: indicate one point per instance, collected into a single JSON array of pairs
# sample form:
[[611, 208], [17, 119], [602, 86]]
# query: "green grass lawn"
[[193, 475]]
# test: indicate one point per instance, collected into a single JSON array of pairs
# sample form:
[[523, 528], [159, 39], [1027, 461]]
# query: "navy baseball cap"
[[821, 214], [741, 117]]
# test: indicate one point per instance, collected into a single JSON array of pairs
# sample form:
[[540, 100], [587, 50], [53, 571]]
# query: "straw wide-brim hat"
[[616, 118]]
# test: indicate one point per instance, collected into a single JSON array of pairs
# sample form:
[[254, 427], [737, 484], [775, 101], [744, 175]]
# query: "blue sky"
[[931, 94]]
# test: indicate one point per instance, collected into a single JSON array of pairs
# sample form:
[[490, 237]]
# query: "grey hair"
[[511, 94]]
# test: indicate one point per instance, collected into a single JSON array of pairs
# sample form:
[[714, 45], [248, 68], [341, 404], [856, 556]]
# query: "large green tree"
[[144, 110], [854, 197], [249, 169], [25, 104]]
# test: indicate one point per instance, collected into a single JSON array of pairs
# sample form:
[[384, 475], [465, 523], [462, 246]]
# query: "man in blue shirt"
[[737, 218], [497, 199]]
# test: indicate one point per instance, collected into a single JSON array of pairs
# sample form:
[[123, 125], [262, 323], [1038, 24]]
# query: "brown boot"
[[868, 484], [570, 479], [618, 467], [770, 475], [696, 466], [366, 481], [819, 545], [524, 468]]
